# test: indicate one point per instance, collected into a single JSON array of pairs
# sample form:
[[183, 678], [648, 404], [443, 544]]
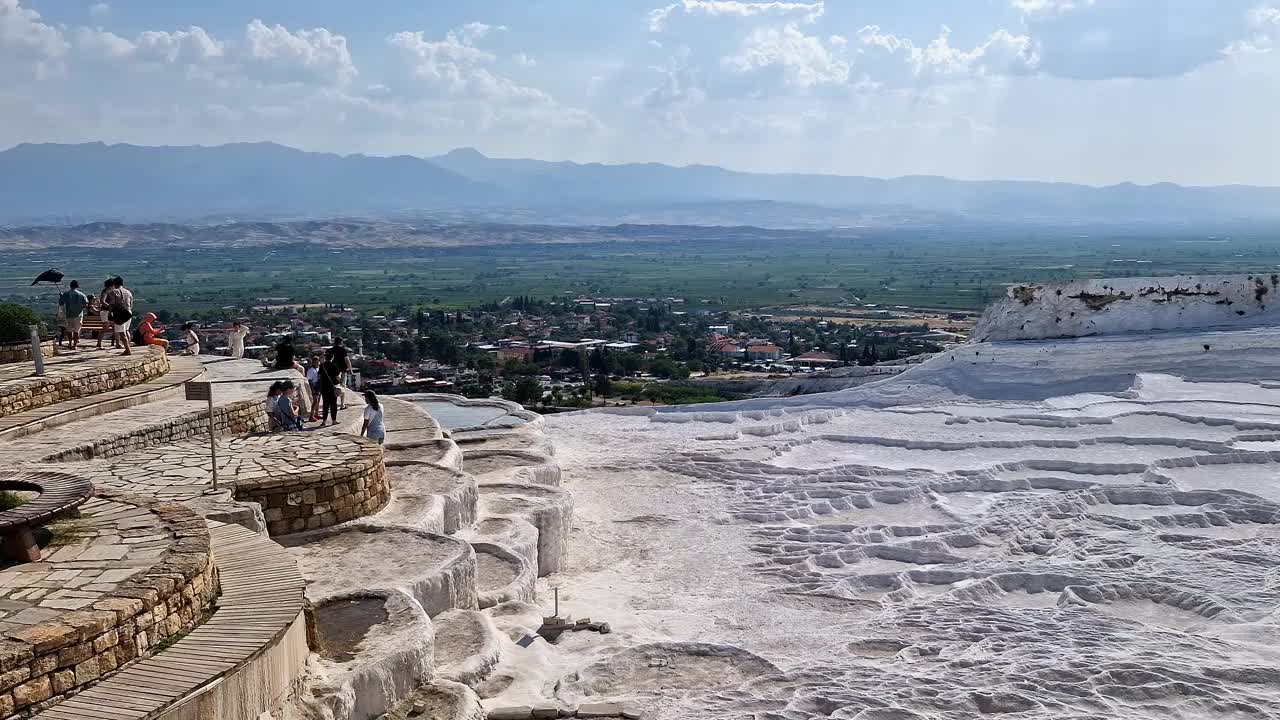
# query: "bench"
[[93, 324], [59, 495]]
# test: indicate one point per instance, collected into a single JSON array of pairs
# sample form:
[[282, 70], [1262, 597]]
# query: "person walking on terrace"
[[74, 303], [150, 332], [120, 301], [373, 427], [313, 381]]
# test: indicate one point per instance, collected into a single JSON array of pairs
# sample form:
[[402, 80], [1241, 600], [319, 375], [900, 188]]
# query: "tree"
[[603, 386]]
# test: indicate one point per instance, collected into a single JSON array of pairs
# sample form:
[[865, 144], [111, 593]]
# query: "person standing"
[[235, 338], [373, 427], [104, 314], [313, 381], [342, 359], [329, 389], [120, 300], [73, 304]]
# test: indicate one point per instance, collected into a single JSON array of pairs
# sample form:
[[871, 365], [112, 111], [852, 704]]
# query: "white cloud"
[[1002, 53], [1264, 26], [804, 60], [679, 86], [99, 10], [191, 46], [303, 56], [454, 77], [524, 60], [809, 12], [1049, 7], [100, 44], [29, 47]]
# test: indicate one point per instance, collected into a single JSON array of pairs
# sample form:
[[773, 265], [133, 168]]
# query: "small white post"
[[36, 355]]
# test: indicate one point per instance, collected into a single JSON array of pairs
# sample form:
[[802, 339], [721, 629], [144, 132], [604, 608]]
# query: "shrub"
[[15, 321]]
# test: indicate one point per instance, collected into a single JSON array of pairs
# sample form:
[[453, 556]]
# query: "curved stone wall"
[[52, 659], [323, 486], [60, 384], [237, 418], [21, 352]]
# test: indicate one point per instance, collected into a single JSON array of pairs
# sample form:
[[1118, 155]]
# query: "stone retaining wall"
[[103, 376], [237, 418], [57, 658], [323, 498], [21, 352]]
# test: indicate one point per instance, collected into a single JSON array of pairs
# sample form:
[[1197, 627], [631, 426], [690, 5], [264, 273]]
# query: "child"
[[373, 427], [313, 379], [273, 397], [191, 338], [150, 332]]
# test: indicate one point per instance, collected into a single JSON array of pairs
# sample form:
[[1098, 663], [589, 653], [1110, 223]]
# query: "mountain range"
[[62, 184]]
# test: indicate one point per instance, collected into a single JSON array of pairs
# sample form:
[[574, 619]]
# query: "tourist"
[[313, 381], [235, 338], [373, 427], [61, 317], [73, 304], [329, 389], [104, 314], [273, 396], [285, 356], [342, 359], [120, 301], [190, 337], [150, 332], [287, 408]]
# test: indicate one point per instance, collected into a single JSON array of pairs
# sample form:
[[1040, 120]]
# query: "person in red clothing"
[[150, 331]]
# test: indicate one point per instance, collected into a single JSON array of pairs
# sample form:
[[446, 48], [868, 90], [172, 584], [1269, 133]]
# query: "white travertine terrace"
[[1040, 529]]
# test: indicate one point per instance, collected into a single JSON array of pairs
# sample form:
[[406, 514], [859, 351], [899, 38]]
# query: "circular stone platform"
[[80, 613], [303, 480]]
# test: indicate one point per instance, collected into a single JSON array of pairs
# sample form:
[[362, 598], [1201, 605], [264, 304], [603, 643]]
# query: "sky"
[[1091, 91]]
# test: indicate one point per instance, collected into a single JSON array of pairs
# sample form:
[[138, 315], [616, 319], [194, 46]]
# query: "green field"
[[898, 268]]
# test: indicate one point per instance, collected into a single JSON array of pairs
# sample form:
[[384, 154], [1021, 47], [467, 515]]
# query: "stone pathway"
[[107, 545], [182, 471], [65, 364]]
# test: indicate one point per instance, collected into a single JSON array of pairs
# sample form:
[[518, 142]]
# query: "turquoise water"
[[456, 416]]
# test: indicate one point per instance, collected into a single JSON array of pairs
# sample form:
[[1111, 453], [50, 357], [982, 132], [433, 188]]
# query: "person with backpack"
[[119, 300]]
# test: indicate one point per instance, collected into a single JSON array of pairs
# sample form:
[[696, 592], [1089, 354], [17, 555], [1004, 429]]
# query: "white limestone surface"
[[1083, 528], [1103, 307]]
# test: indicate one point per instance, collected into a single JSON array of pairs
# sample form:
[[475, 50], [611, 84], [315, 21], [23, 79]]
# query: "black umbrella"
[[52, 275]]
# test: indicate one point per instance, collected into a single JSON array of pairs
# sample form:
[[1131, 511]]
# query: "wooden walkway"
[[181, 369], [262, 598]]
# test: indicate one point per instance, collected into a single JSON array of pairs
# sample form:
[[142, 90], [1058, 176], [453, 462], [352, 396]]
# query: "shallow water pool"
[[452, 416]]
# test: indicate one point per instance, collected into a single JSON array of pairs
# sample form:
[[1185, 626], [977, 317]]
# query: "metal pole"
[[36, 354], [213, 445], [556, 591]]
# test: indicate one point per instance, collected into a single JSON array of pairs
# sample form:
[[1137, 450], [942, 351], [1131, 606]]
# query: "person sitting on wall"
[[150, 332], [192, 339]]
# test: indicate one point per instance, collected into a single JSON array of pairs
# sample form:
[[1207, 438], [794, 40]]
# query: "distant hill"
[[58, 184], [95, 181]]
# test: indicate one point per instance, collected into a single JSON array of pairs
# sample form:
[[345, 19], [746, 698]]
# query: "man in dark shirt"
[[342, 361]]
